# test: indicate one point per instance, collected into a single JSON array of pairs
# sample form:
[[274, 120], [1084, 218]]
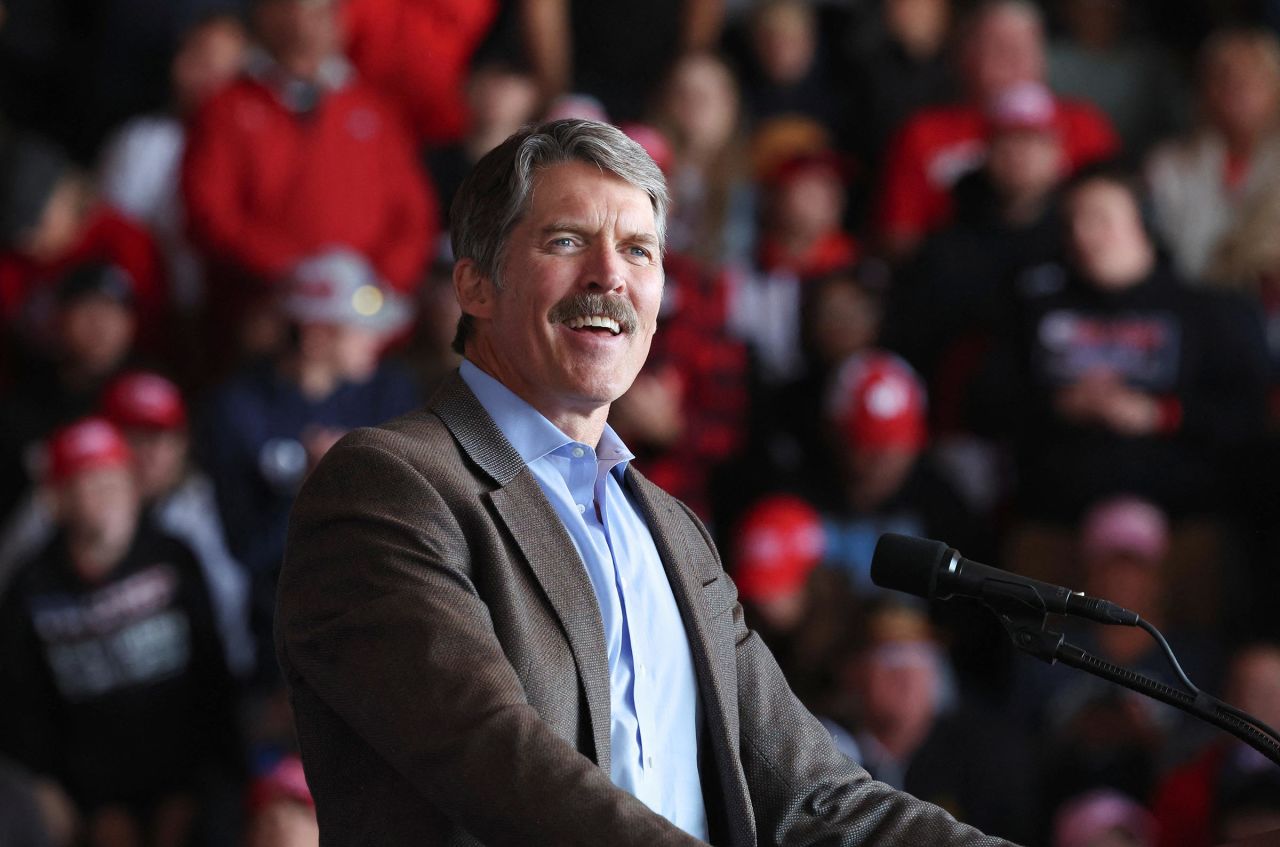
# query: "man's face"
[[811, 203], [1107, 239], [99, 509], [96, 333], [1241, 90], [209, 58], [1025, 163], [1005, 48], [159, 459], [299, 34], [586, 232]]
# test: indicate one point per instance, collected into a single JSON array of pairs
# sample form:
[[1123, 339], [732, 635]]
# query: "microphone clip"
[[1021, 611]]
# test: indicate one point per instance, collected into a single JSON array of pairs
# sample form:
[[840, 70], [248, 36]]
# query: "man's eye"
[[563, 241], [638, 251]]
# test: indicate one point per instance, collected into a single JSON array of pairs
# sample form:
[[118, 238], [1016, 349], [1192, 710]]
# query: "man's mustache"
[[586, 304]]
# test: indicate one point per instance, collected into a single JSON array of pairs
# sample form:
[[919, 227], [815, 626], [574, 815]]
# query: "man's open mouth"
[[594, 323]]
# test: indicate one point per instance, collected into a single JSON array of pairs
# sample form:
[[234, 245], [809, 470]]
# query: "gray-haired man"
[[494, 629]]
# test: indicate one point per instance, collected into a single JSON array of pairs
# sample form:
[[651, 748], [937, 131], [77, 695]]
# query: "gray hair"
[[496, 193]]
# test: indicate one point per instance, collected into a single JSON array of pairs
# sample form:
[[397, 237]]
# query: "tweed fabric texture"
[[447, 668]]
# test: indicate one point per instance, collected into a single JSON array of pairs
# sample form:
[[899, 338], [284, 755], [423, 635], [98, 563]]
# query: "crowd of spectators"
[[1002, 273]]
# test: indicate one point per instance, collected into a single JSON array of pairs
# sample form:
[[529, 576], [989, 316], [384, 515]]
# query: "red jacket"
[[107, 237], [265, 188], [417, 53], [938, 145], [830, 253]]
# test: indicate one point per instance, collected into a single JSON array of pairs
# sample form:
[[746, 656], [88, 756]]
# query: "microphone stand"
[[1022, 614]]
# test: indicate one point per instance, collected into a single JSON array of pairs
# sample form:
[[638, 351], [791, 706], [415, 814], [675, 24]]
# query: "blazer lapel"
[[544, 542], [681, 555]]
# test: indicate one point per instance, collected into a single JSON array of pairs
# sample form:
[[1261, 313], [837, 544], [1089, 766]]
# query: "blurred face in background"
[[95, 334], [59, 224], [99, 510], [501, 102], [1254, 683], [899, 687], [809, 204], [843, 319], [701, 103], [299, 34], [159, 459], [350, 353], [1025, 163], [785, 41], [209, 57], [1004, 46], [1127, 579], [1105, 232], [1241, 86], [919, 25]]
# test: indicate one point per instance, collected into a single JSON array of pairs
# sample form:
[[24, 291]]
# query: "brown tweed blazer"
[[446, 663]]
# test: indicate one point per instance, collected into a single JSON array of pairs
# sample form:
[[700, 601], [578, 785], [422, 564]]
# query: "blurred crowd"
[[1002, 273]]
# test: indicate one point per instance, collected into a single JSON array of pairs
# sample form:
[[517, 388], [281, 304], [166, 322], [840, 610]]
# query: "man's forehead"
[[582, 193]]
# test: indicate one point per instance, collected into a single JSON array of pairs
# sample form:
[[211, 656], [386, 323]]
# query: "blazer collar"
[[543, 541], [475, 431]]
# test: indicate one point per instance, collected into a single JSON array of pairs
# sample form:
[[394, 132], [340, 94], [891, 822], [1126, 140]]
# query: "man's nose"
[[605, 270]]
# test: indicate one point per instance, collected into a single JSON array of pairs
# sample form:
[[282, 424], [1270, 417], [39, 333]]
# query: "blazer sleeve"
[[803, 789], [379, 619]]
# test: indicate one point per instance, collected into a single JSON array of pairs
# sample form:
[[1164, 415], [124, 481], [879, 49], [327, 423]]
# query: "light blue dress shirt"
[[653, 693]]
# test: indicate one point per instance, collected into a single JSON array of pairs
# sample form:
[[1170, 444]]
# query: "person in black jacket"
[[1116, 377], [115, 684]]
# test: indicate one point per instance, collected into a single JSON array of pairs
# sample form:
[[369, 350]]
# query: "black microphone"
[[931, 569]]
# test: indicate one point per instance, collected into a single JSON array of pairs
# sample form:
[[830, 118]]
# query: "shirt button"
[[577, 452], [649, 762], [643, 669], [581, 508]]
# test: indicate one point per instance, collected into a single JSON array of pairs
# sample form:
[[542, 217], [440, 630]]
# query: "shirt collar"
[[531, 434]]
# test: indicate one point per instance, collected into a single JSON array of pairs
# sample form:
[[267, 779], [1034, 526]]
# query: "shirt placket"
[[628, 593]]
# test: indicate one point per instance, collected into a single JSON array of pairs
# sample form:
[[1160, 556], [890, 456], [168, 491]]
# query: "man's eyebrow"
[[565, 226], [575, 228]]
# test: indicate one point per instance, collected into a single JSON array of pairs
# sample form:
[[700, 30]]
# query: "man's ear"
[[474, 290]]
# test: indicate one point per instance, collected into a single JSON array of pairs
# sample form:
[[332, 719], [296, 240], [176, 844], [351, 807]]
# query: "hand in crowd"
[[1103, 399]]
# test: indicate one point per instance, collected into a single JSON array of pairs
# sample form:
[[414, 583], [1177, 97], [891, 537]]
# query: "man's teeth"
[[595, 321]]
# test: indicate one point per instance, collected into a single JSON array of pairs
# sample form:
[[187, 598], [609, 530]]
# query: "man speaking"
[[495, 630]]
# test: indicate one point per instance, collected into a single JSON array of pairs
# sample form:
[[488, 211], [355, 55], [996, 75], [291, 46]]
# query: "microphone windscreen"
[[904, 563]]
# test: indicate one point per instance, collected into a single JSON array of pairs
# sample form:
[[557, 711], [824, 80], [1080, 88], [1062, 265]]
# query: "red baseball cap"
[[284, 781], [779, 543], [878, 401], [144, 400], [88, 444], [821, 162]]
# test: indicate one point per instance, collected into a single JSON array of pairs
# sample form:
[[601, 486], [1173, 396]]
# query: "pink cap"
[[780, 541], [1081, 821], [1125, 525], [878, 402], [88, 444], [1024, 105]]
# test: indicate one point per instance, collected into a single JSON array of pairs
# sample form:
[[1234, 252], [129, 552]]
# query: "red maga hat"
[[779, 543], [878, 402], [144, 400], [88, 444]]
